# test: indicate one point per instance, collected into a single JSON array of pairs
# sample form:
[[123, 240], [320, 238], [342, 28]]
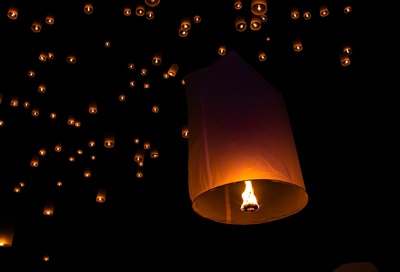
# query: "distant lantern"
[[258, 7], [17, 188], [294, 14], [48, 208], [58, 147], [31, 73], [43, 56], [262, 56], [35, 161], [59, 183], [136, 140], [109, 140], [12, 13], [243, 172], [143, 71], [149, 14], [88, 9], [237, 4], [42, 151], [36, 26], [53, 115], [183, 32], [46, 258], [42, 88], [107, 44], [131, 66], [101, 195], [87, 173], [173, 69], [140, 10], [71, 158], [155, 108], [35, 112], [132, 83], [139, 155], [263, 18], [323, 11], [197, 19], [50, 55], [255, 23], [127, 11], [71, 120], [222, 50], [307, 15], [71, 59], [146, 144], [77, 123], [93, 157], [185, 23], [297, 45], [139, 173], [165, 75], [240, 23], [347, 9], [49, 19], [122, 97], [157, 59], [1, 123], [26, 104], [14, 101], [347, 49], [91, 143], [344, 59], [22, 184], [7, 227], [93, 107], [153, 152], [185, 131], [152, 3]]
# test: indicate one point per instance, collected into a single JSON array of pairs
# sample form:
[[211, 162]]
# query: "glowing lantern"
[[14, 101], [240, 23], [109, 140], [222, 50], [139, 173], [146, 144], [58, 147], [347, 9], [35, 112], [12, 13], [140, 10], [344, 59], [71, 59], [87, 173], [185, 23], [197, 19], [17, 189], [7, 226], [183, 32], [156, 59], [93, 107], [255, 23], [35, 161], [246, 171], [42, 151], [295, 13], [42, 88], [185, 131], [152, 3], [49, 19], [258, 7], [262, 56], [88, 9], [48, 208], [153, 152], [139, 155], [53, 115], [46, 258], [307, 15], [173, 69], [101, 195], [127, 11], [238, 4], [71, 120], [149, 14], [297, 45], [323, 11], [36, 27]]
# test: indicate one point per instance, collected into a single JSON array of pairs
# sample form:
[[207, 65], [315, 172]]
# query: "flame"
[[249, 199]]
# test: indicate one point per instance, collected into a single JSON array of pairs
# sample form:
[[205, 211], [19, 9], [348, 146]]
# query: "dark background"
[[148, 223]]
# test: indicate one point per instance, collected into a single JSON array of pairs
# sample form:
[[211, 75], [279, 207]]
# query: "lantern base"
[[250, 207]]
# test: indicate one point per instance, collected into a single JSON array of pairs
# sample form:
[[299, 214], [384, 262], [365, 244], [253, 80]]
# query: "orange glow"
[[249, 199]]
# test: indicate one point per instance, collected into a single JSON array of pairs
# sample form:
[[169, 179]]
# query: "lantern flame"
[[249, 199]]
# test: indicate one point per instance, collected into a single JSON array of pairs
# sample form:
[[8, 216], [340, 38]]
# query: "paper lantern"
[[357, 267], [6, 230], [48, 208], [101, 195], [243, 166], [258, 7], [12, 13]]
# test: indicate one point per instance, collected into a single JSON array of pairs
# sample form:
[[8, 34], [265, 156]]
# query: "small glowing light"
[[249, 199]]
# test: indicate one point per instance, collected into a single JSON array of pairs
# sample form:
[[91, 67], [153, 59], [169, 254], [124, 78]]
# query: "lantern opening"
[[249, 199]]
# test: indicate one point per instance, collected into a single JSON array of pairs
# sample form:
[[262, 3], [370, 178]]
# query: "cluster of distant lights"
[[259, 15]]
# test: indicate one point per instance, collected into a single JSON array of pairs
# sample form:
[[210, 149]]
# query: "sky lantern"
[[243, 164], [6, 230]]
